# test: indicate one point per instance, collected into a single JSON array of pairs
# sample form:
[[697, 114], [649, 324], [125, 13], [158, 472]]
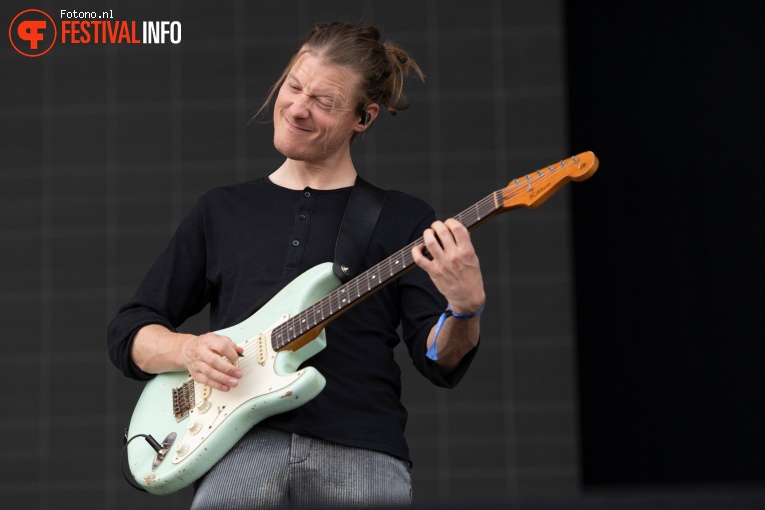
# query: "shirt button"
[[295, 243], [306, 194], [302, 217]]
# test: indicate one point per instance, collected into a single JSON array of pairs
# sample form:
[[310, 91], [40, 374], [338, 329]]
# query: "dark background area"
[[669, 241], [622, 353]]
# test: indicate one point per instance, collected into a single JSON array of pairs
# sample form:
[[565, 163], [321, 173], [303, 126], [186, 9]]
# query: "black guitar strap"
[[359, 220]]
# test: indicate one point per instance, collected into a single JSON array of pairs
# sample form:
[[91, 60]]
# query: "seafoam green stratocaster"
[[192, 426]]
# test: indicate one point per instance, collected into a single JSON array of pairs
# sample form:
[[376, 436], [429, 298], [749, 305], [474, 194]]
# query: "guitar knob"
[[194, 427], [204, 406], [182, 449]]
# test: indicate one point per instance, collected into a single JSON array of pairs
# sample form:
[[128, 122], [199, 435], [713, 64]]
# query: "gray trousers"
[[272, 469]]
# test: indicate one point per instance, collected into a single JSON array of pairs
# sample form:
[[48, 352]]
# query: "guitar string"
[[380, 273], [374, 277], [325, 304]]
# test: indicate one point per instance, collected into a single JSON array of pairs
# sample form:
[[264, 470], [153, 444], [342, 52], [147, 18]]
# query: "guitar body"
[[216, 420]]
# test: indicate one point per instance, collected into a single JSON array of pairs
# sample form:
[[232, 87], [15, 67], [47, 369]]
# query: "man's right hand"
[[156, 349], [211, 360]]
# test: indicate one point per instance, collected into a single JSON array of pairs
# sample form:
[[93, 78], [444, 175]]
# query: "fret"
[[343, 297], [277, 341], [325, 307], [330, 302], [290, 328], [400, 262], [296, 325]]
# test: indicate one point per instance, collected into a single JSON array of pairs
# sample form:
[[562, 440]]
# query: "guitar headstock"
[[533, 189]]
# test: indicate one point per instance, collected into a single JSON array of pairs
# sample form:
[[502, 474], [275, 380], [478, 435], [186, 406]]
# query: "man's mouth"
[[293, 125]]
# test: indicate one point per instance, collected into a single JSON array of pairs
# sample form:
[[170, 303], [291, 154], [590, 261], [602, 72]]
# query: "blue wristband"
[[464, 317], [433, 351]]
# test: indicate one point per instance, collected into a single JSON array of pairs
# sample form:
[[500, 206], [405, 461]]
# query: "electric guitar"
[[198, 425]]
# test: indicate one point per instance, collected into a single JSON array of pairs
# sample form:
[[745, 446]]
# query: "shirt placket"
[[299, 236]]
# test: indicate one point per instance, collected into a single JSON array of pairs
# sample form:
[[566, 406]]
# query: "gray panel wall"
[[105, 147]]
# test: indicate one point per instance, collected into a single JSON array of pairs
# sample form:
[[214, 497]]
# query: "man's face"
[[314, 113]]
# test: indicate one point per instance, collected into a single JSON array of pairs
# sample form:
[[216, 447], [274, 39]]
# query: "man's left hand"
[[453, 265]]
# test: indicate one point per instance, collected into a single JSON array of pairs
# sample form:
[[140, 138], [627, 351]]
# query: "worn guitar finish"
[[198, 425]]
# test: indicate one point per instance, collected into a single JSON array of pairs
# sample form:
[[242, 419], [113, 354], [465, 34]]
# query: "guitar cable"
[[152, 442]]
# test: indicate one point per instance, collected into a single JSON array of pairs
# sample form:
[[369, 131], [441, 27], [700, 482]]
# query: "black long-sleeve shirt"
[[241, 244]]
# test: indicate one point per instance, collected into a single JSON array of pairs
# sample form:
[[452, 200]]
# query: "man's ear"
[[367, 116]]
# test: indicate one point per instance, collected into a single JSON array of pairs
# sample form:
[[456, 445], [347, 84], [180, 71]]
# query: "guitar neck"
[[529, 191]]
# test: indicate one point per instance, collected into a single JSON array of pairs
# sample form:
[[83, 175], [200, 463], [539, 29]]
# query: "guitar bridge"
[[183, 400]]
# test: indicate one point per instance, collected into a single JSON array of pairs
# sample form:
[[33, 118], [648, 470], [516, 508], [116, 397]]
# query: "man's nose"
[[300, 106]]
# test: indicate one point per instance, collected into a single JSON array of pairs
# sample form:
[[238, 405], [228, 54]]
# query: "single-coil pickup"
[[262, 348]]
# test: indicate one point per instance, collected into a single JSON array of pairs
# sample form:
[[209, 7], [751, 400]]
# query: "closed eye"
[[325, 104]]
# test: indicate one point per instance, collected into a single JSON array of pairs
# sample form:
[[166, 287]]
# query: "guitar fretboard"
[[371, 280]]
